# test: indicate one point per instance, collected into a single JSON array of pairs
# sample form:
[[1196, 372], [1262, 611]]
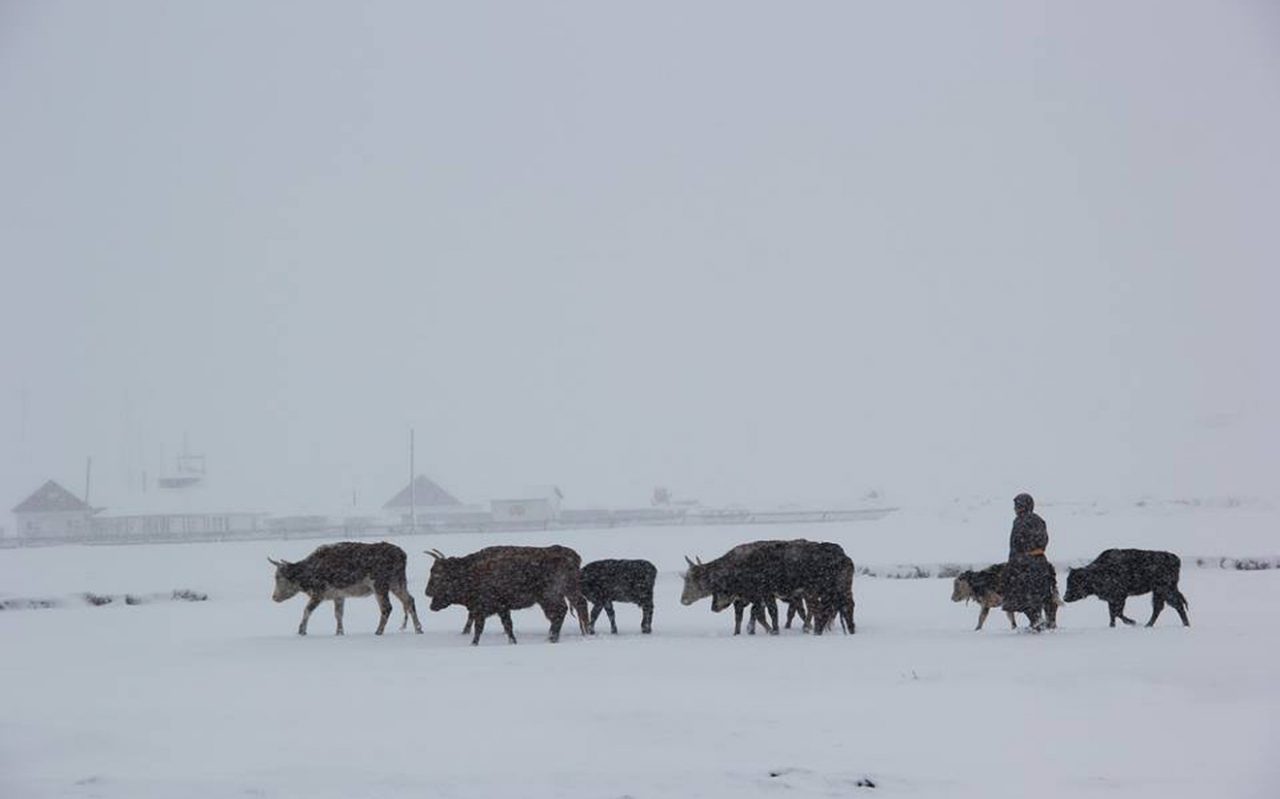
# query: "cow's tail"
[[578, 609]]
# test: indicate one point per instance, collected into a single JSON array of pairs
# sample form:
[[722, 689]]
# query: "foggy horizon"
[[749, 253]]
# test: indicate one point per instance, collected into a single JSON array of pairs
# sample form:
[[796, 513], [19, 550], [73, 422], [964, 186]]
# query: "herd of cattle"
[[814, 580]]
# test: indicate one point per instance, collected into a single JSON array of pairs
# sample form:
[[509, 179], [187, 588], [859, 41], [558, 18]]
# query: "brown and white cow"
[[983, 587], [348, 569]]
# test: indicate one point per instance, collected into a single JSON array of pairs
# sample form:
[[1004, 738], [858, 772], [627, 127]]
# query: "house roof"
[[51, 498], [425, 494]]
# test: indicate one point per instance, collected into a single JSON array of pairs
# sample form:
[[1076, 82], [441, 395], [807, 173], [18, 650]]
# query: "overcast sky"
[[750, 251]]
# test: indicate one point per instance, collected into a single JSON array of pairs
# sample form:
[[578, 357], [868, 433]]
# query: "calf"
[[348, 569], [1117, 574], [984, 588], [607, 581], [498, 580]]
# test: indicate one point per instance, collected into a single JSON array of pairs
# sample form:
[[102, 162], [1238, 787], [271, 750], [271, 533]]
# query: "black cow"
[[749, 574], [1117, 574], [760, 572], [607, 581], [502, 579], [348, 569], [816, 575], [822, 574]]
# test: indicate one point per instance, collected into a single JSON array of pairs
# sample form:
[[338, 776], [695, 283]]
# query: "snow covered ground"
[[220, 698]]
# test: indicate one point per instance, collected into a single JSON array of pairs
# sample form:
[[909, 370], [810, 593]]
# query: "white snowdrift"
[[220, 698]]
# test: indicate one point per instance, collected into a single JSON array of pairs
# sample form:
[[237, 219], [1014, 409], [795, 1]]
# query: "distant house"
[[534, 505], [52, 512], [429, 500]]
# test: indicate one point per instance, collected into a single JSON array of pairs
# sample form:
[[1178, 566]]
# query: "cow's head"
[[695, 583], [445, 581], [286, 586], [962, 589], [1079, 585]]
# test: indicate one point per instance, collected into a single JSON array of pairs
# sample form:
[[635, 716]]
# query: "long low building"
[[164, 525]]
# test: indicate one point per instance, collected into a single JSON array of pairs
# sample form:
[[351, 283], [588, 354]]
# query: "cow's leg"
[[410, 608], [1013, 619], [1116, 606], [845, 612], [982, 617], [771, 605], [806, 614], [738, 607], [1051, 613], [1033, 620], [312, 604], [803, 608], [338, 602], [505, 617], [758, 613], [595, 614], [384, 606], [834, 609], [578, 606], [466, 628], [1179, 603], [613, 620], [556, 611], [1157, 605], [646, 618], [822, 614], [1120, 613], [477, 623]]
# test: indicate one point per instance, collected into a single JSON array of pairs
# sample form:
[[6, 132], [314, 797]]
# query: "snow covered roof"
[[425, 494], [51, 498]]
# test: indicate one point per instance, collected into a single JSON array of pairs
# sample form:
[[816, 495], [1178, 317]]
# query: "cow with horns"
[[759, 573], [498, 580], [348, 569]]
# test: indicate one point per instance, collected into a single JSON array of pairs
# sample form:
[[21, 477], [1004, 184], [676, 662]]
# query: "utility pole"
[[413, 492], [88, 471]]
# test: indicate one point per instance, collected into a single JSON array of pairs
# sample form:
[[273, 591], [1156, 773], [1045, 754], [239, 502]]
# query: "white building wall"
[[522, 510], [54, 524]]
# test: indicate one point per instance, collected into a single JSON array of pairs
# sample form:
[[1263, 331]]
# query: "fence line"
[[571, 520]]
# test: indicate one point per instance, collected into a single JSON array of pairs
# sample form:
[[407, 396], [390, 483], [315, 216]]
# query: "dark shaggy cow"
[[1117, 574], [502, 579], [348, 569], [749, 574], [822, 574], [607, 581], [757, 574]]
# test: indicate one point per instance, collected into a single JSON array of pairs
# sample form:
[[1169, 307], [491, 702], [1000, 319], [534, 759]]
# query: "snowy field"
[[221, 699]]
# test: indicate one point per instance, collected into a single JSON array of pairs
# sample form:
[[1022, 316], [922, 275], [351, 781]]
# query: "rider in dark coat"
[[1029, 578]]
